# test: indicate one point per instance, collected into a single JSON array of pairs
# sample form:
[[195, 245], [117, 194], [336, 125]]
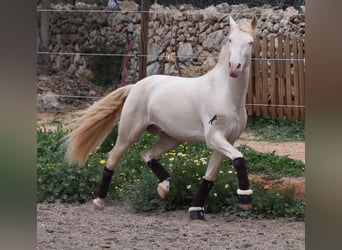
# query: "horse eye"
[[250, 43]]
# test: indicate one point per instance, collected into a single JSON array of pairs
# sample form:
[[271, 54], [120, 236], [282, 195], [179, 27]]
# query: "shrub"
[[56, 181], [106, 69]]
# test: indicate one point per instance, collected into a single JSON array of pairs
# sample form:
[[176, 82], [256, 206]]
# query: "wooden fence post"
[[143, 38], [295, 77], [288, 78], [257, 84], [264, 77], [274, 96], [301, 77]]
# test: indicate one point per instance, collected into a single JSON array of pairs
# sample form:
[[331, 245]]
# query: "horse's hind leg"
[[126, 137], [150, 155]]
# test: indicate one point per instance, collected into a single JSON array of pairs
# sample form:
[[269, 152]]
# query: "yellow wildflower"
[[102, 162]]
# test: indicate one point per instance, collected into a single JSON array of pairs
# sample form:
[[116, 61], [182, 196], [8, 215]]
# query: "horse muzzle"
[[233, 74], [234, 69]]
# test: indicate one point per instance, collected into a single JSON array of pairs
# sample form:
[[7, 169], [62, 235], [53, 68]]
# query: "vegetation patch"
[[134, 183], [276, 129]]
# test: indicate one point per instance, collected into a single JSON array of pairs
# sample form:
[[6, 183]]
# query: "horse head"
[[240, 44]]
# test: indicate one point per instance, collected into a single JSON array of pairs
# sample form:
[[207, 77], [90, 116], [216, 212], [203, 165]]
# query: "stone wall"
[[182, 41]]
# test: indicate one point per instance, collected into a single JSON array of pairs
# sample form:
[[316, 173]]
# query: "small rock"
[[105, 245]]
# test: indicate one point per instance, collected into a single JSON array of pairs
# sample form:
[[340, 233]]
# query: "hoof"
[[163, 189], [98, 204], [245, 199], [245, 202], [246, 207], [196, 213]]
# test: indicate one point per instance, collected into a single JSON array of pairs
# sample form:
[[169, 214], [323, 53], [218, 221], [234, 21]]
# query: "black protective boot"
[[244, 193], [196, 211]]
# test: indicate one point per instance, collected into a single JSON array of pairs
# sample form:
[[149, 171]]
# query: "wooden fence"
[[277, 78]]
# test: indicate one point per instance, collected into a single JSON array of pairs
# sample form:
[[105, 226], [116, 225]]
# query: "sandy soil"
[[66, 226]]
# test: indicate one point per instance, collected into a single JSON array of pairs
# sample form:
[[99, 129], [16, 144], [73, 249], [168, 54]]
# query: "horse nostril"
[[239, 65], [230, 65]]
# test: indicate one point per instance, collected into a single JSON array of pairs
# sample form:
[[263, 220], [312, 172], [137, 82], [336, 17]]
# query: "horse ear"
[[254, 22], [232, 23]]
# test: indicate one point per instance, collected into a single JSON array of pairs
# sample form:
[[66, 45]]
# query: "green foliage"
[[110, 140], [106, 69], [273, 204], [276, 129], [134, 184], [271, 165], [56, 181]]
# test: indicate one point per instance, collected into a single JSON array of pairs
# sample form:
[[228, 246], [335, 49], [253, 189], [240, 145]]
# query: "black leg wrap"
[[106, 178], [240, 167], [244, 199], [158, 170], [197, 214], [202, 193]]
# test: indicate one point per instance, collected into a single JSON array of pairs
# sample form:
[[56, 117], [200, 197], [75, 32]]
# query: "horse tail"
[[93, 125]]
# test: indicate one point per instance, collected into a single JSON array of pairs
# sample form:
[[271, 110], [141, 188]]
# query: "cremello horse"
[[207, 109]]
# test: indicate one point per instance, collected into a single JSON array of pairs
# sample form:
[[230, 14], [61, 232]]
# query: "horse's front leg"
[[219, 143], [196, 210]]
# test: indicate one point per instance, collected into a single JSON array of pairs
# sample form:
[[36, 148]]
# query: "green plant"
[[106, 69], [272, 204], [271, 165], [56, 181], [110, 140], [276, 129]]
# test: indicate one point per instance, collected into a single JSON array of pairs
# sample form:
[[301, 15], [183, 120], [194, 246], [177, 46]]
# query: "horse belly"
[[181, 127], [178, 120]]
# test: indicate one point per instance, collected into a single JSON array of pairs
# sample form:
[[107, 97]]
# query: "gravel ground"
[[65, 226]]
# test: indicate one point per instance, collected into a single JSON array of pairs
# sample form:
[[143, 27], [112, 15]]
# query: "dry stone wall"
[[182, 40]]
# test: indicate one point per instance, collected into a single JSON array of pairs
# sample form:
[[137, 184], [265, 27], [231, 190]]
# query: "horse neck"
[[239, 87], [235, 89]]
